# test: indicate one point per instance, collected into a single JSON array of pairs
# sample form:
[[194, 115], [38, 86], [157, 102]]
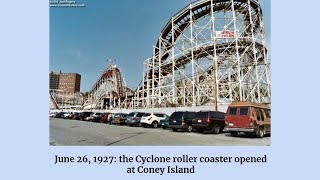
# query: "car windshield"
[[131, 114], [159, 115], [146, 114], [244, 111], [140, 114], [233, 111], [176, 115], [124, 115]]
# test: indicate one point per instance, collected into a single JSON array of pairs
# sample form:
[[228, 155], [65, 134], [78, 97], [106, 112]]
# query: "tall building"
[[54, 80], [67, 82], [70, 82]]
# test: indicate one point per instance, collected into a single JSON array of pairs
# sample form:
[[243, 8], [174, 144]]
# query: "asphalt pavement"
[[65, 132]]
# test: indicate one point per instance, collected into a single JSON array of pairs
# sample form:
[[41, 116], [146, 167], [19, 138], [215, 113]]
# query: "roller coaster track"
[[243, 56], [200, 9], [109, 89], [114, 72], [202, 52], [54, 101], [234, 62]]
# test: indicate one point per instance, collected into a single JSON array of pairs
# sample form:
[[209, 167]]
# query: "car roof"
[[248, 104], [212, 111], [184, 111]]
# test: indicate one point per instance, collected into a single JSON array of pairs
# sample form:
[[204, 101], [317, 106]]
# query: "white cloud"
[[75, 55]]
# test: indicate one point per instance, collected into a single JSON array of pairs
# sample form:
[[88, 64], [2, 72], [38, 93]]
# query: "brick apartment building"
[[67, 82]]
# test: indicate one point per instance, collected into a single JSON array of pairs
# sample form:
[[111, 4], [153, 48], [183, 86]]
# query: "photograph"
[[159, 89], [159, 73]]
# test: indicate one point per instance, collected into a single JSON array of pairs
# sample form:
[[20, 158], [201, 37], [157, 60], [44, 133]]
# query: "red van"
[[248, 117]]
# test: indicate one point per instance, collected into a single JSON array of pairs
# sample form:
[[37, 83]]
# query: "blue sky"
[[82, 39]]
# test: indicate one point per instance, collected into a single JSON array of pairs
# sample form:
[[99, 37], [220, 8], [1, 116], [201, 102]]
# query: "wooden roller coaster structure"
[[211, 52]]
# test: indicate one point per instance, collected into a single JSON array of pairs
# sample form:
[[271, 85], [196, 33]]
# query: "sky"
[[83, 39]]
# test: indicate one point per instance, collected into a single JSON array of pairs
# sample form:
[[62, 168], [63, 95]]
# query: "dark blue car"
[[164, 123]]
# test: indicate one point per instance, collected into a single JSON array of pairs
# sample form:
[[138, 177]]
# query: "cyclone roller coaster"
[[211, 52]]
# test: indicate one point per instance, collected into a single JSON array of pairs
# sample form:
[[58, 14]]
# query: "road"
[[80, 133]]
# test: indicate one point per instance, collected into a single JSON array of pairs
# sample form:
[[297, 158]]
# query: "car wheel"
[[234, 133], [174, 129], [216, 129], [260, 132], [190, 128], [163, 127], [154, 124]]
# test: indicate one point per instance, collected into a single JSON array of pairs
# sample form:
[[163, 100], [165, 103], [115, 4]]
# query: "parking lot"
[[66, 132]]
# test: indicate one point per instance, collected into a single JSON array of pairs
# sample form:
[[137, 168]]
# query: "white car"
[[96, 117], [88, 118], [152, 119], [66, 115], [52, 115]]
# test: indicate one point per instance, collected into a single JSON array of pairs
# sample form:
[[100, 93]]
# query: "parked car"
[[96, 117], [164, 123], [85, 115], [105, 117], [119, 118], [248, 117], [52, 114], [134, 118], [77, 116], [89, 118], [74, 115], [60, 114], [152, 119], [181, 120], [67, 115], [213, 121]]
